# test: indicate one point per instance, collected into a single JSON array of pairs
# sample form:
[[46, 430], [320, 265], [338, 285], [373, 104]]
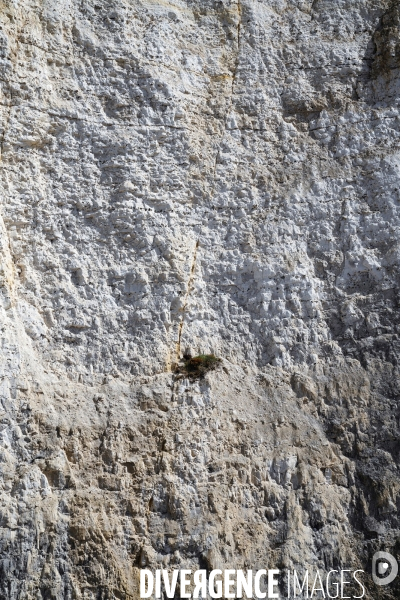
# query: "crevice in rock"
[[189, 287], [10, 105], [8, 280], [233, 80], [6, 123], [239, 25]]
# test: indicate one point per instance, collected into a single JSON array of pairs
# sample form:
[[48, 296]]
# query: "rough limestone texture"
[[203, 177]]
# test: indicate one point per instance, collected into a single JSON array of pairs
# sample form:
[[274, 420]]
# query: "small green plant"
[[198, 366]]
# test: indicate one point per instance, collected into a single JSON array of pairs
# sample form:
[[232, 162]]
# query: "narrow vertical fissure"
[[14, 59], [239, 25], [6, 122], [185, 301], [233, 81]]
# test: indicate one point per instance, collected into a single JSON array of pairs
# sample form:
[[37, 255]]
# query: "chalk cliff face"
[[211, 177]]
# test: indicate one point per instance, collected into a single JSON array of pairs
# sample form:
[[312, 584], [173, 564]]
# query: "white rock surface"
[[222, 177]]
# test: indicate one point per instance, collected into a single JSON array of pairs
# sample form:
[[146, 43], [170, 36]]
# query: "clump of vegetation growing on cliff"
[[197, 366]]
